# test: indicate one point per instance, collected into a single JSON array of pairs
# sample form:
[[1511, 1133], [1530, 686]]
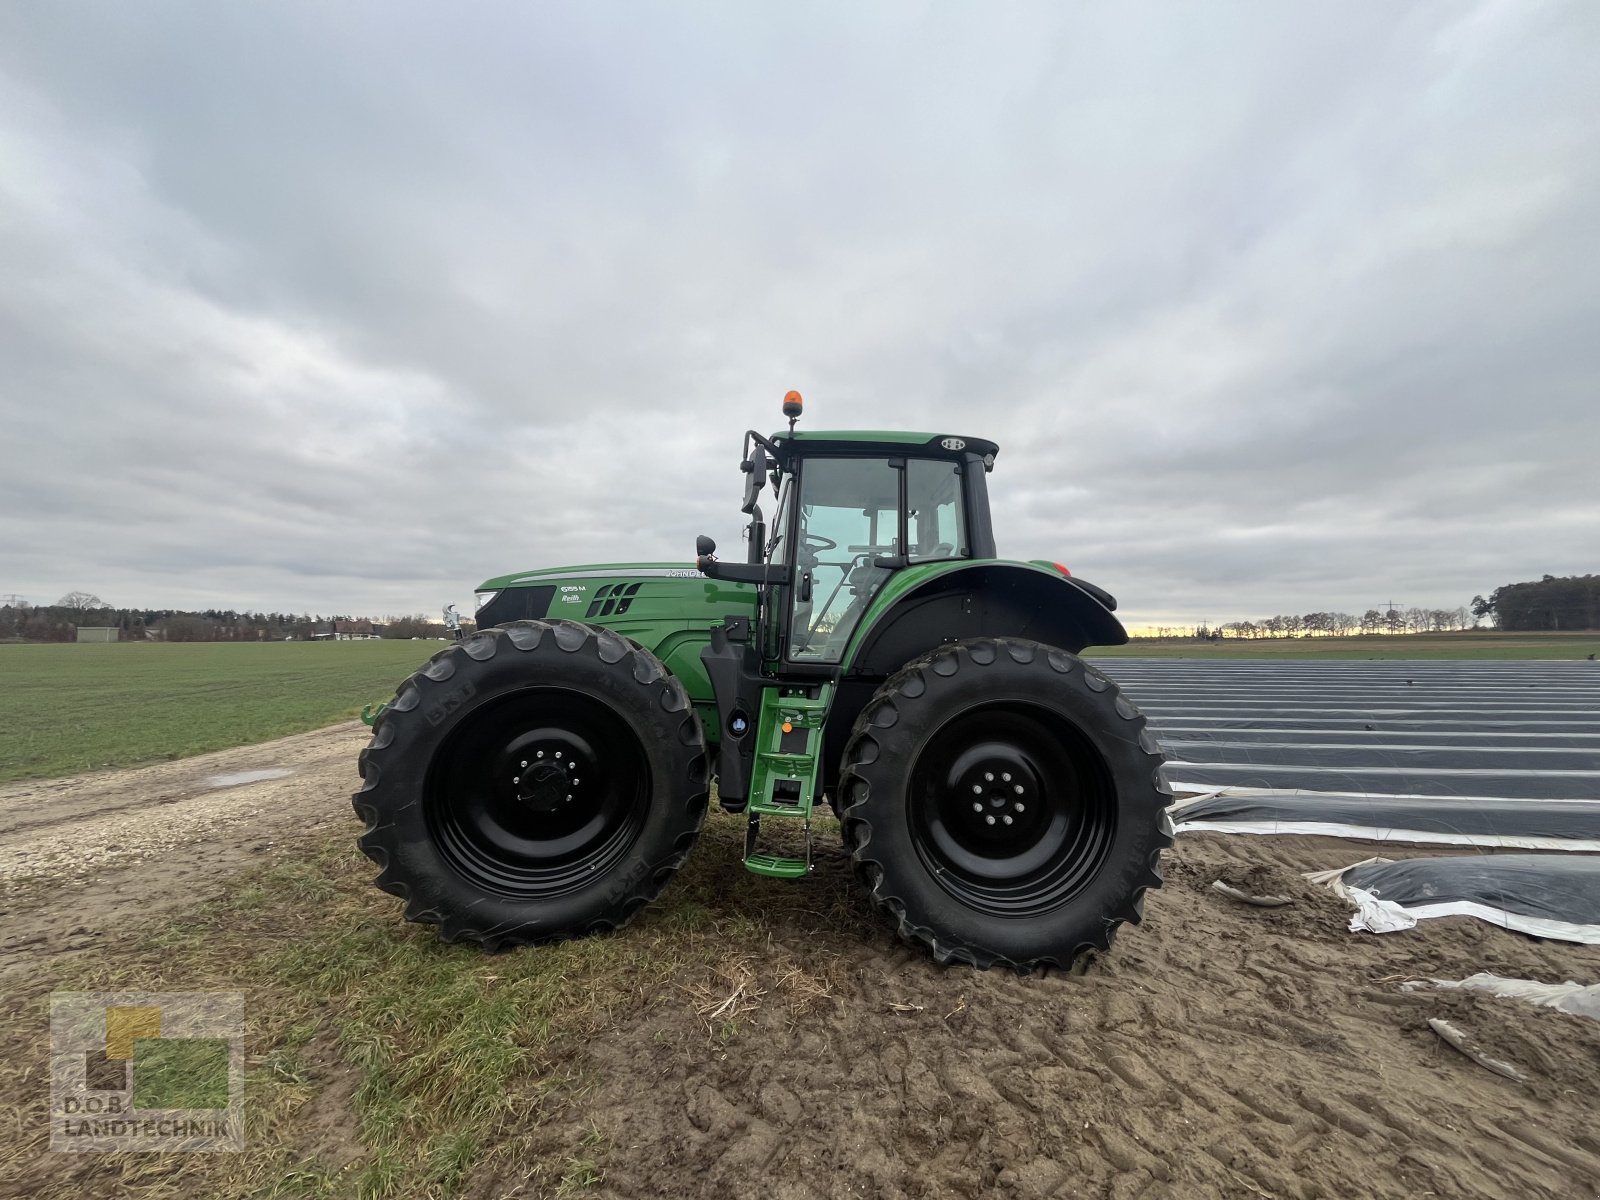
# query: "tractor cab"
[[850, 509], [854, 508]]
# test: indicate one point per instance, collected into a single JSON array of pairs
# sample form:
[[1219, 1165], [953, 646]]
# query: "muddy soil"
[[1219, 1050]]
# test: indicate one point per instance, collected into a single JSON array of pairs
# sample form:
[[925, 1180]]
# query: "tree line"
[[1342, 624], [59, 622], [1550, 604]]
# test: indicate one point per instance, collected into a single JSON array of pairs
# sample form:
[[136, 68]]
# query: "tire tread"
[[407, 716], [881, 713]]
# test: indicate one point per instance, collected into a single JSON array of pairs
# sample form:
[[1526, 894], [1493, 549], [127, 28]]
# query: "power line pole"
[[1393, 609]]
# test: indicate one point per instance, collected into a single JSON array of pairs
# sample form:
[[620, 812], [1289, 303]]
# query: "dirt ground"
[[78, 855], [1219, 1050]]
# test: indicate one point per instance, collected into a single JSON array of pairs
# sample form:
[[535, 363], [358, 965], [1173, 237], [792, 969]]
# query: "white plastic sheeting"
[[1521, 900], [1581, 1000]]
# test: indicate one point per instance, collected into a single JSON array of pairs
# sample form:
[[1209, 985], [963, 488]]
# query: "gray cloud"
[[1270, 308]]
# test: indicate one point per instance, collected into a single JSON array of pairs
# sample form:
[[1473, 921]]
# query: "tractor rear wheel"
[[536, 781], [1002, 804]]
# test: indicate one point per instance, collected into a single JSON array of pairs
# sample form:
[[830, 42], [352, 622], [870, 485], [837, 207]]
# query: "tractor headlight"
[[485, 597]]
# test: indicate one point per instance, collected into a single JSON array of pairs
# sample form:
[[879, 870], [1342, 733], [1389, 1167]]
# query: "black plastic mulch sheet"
[[1515, 730], [1485, 819], [1548, 887]]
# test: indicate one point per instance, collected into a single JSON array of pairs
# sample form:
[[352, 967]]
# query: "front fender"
[[954, 601]]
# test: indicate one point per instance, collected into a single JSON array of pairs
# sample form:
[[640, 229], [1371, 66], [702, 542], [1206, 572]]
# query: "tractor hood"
[[656, 570], [625, 596], [668, 608]]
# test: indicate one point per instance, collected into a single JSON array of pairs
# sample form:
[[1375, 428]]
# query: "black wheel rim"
[[1012, 809], [538, 793]]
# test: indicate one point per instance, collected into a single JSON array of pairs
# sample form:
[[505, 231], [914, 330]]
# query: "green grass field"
[[1417, 645], [70, 708]]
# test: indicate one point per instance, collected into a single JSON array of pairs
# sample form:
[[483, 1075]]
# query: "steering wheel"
[[815, 541]]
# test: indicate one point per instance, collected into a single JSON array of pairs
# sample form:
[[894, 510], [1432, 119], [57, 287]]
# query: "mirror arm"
[[766, 443], [758, 536], [744, 572]]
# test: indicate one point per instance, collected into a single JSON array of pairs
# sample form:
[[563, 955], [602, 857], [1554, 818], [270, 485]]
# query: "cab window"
[[777, 548], [782, 517], [848, 517], [934, 510]]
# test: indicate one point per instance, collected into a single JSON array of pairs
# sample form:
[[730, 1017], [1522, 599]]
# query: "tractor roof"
[[867, 441]]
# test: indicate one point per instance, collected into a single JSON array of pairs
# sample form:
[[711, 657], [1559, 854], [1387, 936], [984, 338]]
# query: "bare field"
[[747, 1035]]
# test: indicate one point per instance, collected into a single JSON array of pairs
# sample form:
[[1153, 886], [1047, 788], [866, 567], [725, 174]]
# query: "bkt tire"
[[1002, 804], [536, 781]]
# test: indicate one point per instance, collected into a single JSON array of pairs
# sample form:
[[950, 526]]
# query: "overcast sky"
[[347, 307]]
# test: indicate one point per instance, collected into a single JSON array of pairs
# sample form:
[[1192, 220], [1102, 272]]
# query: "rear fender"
[[988, 599]]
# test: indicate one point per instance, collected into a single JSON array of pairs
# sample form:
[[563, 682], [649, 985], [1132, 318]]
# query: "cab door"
[[849, 537]]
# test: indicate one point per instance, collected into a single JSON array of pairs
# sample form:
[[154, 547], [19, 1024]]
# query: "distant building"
[[356, 631], [97, 633]]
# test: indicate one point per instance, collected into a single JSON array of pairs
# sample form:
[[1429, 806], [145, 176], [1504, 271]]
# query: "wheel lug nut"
[[1017, 788], [558, 754], [516, 779], [1018, 807], [1005, 776], [540, 754], [524, 762], [989, 820], [1006, 819], [977, 789], [977, 808], [988, 776]]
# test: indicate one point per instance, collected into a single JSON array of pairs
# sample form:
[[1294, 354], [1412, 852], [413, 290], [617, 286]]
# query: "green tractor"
[[1001, 801]]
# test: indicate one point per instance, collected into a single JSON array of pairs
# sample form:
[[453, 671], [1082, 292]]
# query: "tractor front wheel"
[[536, 781], [1002, 804]]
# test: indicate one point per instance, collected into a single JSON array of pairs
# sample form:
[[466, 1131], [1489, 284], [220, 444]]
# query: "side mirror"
[[756, 467], [704, 548]]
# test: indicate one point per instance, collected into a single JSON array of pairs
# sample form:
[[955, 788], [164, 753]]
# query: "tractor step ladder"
[[784, 780]]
